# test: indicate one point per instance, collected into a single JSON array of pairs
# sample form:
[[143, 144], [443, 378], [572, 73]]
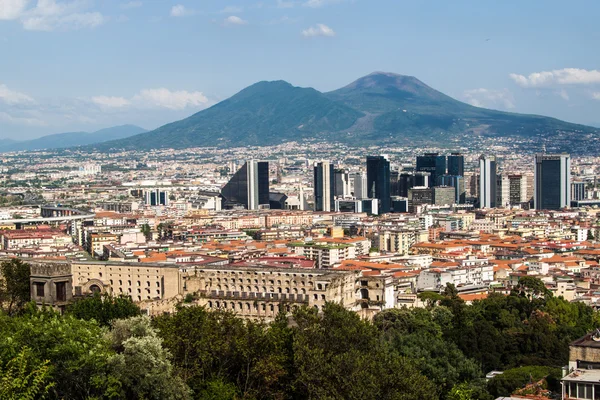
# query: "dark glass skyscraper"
[[249, 187], [324, 182], [378, 182], [432, 163], [552, 190], [456, 164]]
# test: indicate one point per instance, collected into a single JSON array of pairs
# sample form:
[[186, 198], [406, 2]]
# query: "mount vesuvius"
[[379, 108]]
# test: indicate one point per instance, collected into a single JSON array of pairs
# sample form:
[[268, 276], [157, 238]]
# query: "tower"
[[487, 181], [456, 164], [378, 182], [324, 186], [248, 187], [432, 163], [552, 188]]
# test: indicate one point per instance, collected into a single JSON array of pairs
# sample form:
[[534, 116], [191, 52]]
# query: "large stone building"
[[249, 290]]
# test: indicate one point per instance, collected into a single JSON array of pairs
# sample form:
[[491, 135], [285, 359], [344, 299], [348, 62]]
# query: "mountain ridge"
[[72, 139], [378, 108]]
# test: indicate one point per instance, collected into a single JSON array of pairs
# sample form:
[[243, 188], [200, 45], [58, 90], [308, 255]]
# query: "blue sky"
[[84, 65]]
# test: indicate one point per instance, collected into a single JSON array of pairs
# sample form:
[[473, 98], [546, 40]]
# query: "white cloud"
[[131, 4], [49, 15], [12, 97], [232, 9], [12, 9], [110, 101], [320, 3], [234, 20], [565, 76], [564, 95], [179, 10], [285, 4], [490, 98], [173, 100], [595, 95], [318, 30]]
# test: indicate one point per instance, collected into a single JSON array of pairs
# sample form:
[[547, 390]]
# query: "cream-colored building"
[[249, 291], [401, 241]]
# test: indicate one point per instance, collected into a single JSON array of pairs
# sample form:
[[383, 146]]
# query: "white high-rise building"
[[487, 181], [360, 185]]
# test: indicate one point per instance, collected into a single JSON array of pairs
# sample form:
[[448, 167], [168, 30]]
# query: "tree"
[[76, 350], [14, 284], [532, 287], [590, 236], [141, 364], [24, 378], [104, 308], [145, 229]]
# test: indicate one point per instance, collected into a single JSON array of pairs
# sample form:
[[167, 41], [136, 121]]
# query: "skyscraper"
[[432, 163], [552, 190], [518, 190], [487, 181], [456, 164], [378, 182], [577, 191], [341, 183], [458, 183], [360, 185], [248, 187], [324, 186]]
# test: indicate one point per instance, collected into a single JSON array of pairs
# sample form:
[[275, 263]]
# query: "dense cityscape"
[[299, 199], [269, 230]]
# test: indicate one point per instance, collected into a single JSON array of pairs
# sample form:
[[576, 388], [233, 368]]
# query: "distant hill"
[[378, 108], [71, 139]]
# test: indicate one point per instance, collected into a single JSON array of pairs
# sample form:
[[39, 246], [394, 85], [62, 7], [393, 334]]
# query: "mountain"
[[380, 108], [266, 112], [403, 104], [71, 139]]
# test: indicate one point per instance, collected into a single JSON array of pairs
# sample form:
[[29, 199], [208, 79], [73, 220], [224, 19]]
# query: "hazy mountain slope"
[[71, 139]]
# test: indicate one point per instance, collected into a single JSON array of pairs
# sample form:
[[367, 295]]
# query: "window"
[[39, 289], [61, 291]]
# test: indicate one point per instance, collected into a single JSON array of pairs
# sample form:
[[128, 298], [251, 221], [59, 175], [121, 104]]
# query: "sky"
[[83, 65]]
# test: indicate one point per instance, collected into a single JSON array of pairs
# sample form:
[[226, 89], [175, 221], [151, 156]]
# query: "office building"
[[378, 182], [456, 164], [458, 183], [248, 188], [578, 191], [552, 189], [408, 180], [502, 191], [487, 181], [444, 195], [432, 163], [359, 181], [418, 196], [324, 186], [341, 183], [156, 197], [369, 206], [517, 190]]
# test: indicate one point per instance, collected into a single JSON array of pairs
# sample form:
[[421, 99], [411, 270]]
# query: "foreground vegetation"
[[103, 348]]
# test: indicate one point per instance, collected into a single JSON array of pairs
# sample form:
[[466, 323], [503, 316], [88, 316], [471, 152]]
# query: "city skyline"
[[150, 63]]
